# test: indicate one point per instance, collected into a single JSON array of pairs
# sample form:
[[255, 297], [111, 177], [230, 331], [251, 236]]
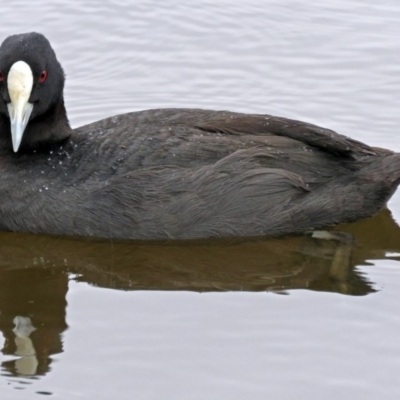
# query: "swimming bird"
[[170, 173]]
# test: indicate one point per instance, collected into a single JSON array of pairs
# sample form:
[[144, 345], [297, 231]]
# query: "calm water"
[[283, 319]]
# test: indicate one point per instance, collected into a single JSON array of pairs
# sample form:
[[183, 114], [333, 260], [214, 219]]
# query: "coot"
[[170, 173]]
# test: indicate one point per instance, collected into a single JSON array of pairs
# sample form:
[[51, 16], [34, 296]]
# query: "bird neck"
[[44, 131]]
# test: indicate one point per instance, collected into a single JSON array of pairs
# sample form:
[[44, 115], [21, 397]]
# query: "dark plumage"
[[175, 173]]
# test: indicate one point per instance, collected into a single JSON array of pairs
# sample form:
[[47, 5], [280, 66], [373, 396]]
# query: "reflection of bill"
[[32, 318], [28, 363]]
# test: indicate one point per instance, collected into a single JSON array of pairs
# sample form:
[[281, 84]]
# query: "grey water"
[[251, 319]]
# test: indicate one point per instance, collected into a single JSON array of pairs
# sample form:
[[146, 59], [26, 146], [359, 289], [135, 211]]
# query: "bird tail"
[[349, 197]]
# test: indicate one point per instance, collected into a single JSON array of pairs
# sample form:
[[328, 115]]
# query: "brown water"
[[284, 319]]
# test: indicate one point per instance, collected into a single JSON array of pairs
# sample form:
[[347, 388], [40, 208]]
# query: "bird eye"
[[1, 77], [43, 76]]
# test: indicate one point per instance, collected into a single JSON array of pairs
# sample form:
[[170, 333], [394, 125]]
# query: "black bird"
[[171, 173]]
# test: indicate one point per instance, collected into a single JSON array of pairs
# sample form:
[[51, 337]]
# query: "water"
[[291, 318]]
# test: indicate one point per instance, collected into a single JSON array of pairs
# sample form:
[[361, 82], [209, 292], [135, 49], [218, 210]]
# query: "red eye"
[[43, 76], [1, 77]]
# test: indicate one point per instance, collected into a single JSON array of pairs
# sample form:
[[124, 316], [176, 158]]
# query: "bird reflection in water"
[[34, 274]]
